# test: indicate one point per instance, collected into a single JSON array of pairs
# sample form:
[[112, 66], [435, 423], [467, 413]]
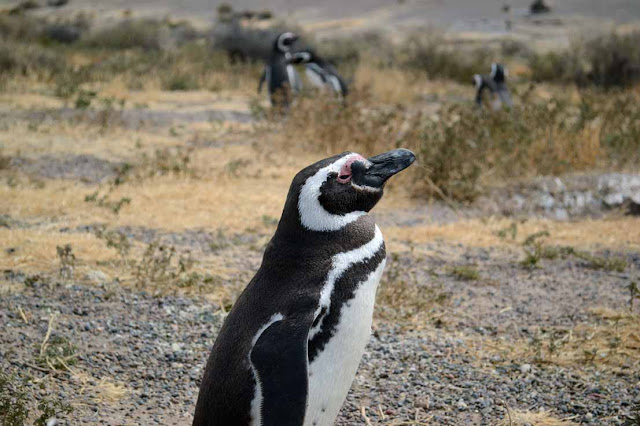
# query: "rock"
[[539, 6], [97, 277], [613, 200], [546, 201], [525, 368], [423, 402], [461, 405]]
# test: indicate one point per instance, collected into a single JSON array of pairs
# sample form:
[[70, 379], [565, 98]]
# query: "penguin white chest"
[[332, 371]]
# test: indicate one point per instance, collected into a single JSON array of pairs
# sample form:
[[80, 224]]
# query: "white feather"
[[332, 371], [315, 76], [312, 215], [339, 264]]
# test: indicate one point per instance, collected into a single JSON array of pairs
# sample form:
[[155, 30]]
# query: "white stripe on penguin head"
[[282, 38], [312, 215]]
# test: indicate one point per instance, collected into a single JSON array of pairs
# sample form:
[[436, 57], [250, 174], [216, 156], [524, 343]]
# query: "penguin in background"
[[279, 73], [495, 82], [289, 348], [321, 73]]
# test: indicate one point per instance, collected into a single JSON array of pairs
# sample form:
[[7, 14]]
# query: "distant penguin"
[[495, 82], [321, 73], [290, 347], [279, 73]]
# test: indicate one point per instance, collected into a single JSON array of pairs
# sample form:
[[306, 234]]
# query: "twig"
[[46, 337], [363, 411], [24, 317], [42, 370], [508, 411]]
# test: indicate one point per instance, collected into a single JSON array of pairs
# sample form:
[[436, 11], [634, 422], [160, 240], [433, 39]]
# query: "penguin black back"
[[325, 248]]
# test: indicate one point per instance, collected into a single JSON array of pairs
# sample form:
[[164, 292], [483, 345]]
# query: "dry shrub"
[[465, 148], [537, 418], [613, 340], [606, 60], [326, 124], [146, 34], [430, 53], [462, 149]]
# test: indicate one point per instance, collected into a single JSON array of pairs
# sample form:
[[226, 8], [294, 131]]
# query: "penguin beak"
[[299, 58], [381, 167]]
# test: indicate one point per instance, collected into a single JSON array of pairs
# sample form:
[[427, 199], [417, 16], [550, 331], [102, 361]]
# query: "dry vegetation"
[[610, 341]]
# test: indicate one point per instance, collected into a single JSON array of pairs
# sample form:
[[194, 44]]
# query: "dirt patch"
[[83, 168]]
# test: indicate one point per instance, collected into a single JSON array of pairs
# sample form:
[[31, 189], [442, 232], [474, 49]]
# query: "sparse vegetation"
[[14, 401], [67, 261], [465, 273], [462, 149], [104, 201], [403, 298], [606, 60], [17, 401], [535, 250], [612, 341]]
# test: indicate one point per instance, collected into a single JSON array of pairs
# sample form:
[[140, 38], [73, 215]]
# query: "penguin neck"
[[352, 235]]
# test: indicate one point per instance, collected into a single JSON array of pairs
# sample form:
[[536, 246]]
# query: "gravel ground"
[[154, 348]]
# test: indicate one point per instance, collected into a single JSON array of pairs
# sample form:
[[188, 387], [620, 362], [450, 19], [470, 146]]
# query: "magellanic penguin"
[[290, 347], [321, 73], [279, 73], [495, 82]]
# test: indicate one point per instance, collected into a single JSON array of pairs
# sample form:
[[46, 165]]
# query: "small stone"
[[588, 416], [423, 402], [525, 368], [461, 405], [97, 277]]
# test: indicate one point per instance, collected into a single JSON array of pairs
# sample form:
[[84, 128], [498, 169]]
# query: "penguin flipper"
[[280, 361]]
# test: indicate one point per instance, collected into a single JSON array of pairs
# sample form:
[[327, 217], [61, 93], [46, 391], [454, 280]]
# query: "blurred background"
[[142, 175]]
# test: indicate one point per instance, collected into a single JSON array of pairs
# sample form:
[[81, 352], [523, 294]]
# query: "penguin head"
[[334, 192], [303, 57], [498, 73], [284, 42]]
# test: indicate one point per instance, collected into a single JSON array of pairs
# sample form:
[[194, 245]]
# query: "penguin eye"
[[344, 177]]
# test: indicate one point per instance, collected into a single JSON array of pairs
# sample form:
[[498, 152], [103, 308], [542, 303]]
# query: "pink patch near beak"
[[344, 176]]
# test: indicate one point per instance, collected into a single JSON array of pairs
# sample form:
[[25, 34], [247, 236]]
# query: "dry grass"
[[534, 418], [104, 390], [612, 340], [618, 234]]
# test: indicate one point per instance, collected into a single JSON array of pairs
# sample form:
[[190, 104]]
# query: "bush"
[[610, 60], [24, 28], [464, 145], [30, 59], [430, 53], [146, 34], [462, 148]]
